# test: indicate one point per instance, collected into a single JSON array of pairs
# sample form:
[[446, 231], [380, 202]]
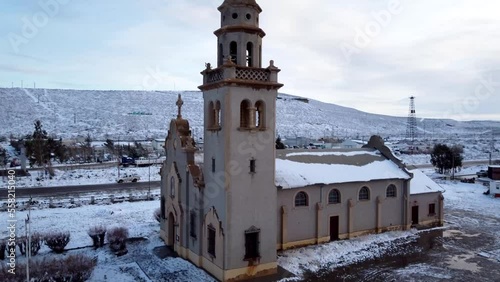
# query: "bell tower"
[[240, 196]]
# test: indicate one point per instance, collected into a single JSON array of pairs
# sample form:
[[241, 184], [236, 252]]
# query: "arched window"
[[260, 119], [211, 114], [334, 197], [301, 199], [245, 114], [172, 187], [249, 54], [221, 55], [217, 116], [233, 51], [391, 191], [260, 53], [364, 194]]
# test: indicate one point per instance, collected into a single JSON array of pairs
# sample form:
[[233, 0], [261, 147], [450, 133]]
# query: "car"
[[128, 178], [482, 173]]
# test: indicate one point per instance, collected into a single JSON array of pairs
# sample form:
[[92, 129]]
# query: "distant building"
[[494, 176], [350, 144]]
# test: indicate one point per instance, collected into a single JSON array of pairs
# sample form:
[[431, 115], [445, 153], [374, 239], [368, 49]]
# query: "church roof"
[[233, 3], [421, 183], [295, 169]]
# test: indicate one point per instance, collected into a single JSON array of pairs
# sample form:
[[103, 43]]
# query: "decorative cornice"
[[240, 82], [240, 28]]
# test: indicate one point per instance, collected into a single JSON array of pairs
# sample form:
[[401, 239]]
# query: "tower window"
[[217, 114], [192, 224], [260, 56], [249, 16], [235, 15], [233, 51], [249, 54], [252, 244], [213, 164], [211, 240], [245, 114], [211, 114], [260, 119], [220, 60], [252, 166]]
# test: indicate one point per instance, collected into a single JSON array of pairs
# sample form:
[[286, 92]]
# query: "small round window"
[[235, 15], [249, 16]]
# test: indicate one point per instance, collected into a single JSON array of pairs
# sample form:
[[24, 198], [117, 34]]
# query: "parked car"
[[482, 173], [128, 178]]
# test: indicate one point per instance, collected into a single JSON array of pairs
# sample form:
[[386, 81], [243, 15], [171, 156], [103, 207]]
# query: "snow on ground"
[[415, 159], [470, 197], [83, 177], [137, 216], [140, 264], [342, 253]]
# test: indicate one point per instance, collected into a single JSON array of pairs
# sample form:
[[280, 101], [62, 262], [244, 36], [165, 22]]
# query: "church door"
[[334, 228]]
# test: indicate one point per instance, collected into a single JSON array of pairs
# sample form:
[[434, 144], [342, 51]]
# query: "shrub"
[[117, 238], [36, 244], [74, 268], [97, 234], [157, 214], [3, 248], [56, 241]]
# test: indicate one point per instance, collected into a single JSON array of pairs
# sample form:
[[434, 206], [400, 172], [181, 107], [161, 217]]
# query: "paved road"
[[62, 190], [476, 162]]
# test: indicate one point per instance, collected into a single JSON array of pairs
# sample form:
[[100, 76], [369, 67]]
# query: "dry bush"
[[56, 241], [3, 248], [74, 268], [36, 244], [157, 214], [117, 238], [97, 234]]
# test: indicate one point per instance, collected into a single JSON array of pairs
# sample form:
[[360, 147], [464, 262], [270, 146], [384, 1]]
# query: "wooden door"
[[334, 228], [414, 215]]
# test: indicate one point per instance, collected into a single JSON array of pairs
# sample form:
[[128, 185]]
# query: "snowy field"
[[110, 114], [140, 264], [84, 177]]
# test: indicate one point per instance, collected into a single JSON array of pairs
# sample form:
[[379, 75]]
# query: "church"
[[230, 208]]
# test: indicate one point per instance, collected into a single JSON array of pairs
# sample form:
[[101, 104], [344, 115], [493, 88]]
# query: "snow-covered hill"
[[146, 114]]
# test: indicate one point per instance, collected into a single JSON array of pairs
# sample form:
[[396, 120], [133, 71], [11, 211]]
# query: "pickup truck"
[[482, 173], [128, 178]]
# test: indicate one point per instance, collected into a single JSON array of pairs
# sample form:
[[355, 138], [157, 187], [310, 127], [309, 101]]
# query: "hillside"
[[146, 114]]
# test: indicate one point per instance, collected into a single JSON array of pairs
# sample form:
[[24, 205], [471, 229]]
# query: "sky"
[[365, 54]]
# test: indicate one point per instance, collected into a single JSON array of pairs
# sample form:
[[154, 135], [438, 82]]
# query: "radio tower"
[[411, 125]]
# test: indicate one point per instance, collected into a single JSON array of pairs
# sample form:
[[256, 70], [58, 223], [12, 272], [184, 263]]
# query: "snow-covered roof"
[[294, 170], [421, 183]]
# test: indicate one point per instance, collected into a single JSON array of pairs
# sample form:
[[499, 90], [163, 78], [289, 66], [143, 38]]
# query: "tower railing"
[[231, 71]]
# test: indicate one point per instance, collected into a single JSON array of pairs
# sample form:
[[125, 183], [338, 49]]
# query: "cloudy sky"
[[370, 55]]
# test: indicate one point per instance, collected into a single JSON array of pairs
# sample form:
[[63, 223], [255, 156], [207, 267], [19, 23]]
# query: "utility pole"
[[28, 236], [22, 84]]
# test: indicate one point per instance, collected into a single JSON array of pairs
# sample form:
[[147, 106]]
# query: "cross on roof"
[[179, 104]]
